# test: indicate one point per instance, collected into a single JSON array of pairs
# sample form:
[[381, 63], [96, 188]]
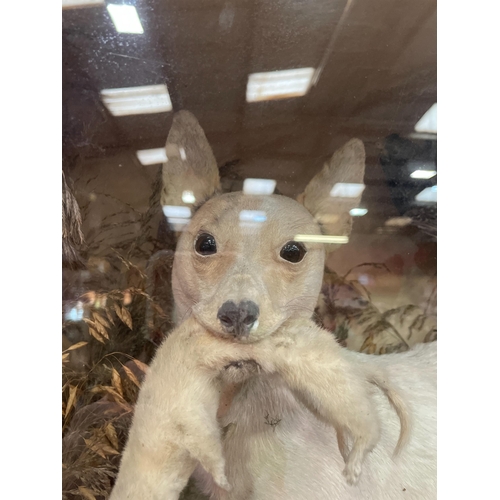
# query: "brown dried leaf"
[[116, 381], [110, 432], [101, 448], [118, 311], [102, 331], [96, 335], [126, 317], [94, 446], [108, 390], [110, 316], [86, 493], [131, 376], [76, 346], [71, 399], [99, 319], [124, 406], [65, 357], [108, 450]]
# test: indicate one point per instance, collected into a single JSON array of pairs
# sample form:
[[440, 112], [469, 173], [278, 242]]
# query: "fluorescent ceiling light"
[[137, 100], [178, 216], [179, 212], [125, 18], [347, 190], [75, 4], [398, 221], [423, 174], [152, 156], [259, 186], [428, 195], [279, 84], [428, 122], [358, 212], [253, 216], [188, 197], [321, 238]]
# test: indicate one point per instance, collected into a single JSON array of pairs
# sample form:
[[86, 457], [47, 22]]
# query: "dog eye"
[[293, 251], [205, 244]]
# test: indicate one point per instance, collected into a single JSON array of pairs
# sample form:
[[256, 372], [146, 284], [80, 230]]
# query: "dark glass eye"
[[293, 251], [205, 244]]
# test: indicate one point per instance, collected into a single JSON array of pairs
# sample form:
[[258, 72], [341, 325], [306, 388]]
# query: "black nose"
[[238, 319]]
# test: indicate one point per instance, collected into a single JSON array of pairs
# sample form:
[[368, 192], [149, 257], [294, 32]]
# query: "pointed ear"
[[347, 165], [190, 174]]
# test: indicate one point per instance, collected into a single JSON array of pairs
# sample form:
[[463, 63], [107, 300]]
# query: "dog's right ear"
[[190, 174], [347, 165]]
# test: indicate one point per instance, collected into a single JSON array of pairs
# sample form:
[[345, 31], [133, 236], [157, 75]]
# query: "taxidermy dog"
[[252, 289], [175, 425]]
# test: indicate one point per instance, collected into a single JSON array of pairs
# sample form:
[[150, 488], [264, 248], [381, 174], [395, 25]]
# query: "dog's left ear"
[[331, 208], [190, 174]]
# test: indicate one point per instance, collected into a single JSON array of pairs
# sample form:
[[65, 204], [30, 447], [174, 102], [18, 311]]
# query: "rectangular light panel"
[[423, 174], [259, 186], [428, 122], [428, 195], [137, 100], [279, 84], [178, 216], [152, 156], [75, 4], [321, 238], [125, 18], [347, 190], [358, 212], [179, 212]]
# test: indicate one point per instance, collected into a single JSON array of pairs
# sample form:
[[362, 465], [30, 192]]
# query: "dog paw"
[[239, 371], [352, 473]]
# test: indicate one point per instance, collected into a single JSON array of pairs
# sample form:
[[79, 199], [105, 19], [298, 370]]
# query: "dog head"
[[245, 264]]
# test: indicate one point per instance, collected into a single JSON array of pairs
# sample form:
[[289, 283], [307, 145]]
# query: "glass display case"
[[171, 104]]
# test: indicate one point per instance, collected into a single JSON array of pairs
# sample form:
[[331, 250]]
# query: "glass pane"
[[245, 170]]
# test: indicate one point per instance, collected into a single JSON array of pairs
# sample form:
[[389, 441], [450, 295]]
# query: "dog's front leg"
[[146, 474], [315, 368]]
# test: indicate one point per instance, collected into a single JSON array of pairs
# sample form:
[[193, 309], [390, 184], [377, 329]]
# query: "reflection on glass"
[[428, 195], [259, 186], [358, 212], [347, 190], [137, 100], [125, 18], [152, 156], [279, 84]]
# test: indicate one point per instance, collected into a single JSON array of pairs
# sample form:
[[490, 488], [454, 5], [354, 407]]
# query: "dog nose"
[[238, 319]]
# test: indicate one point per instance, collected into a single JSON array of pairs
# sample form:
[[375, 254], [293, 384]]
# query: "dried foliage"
[[72, 236], [98, 394], [117, 319]]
